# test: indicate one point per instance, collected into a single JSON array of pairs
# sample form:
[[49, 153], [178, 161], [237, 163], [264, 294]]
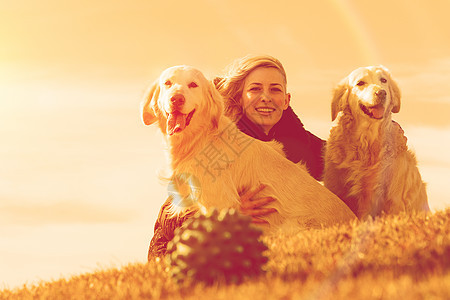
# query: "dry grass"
[[392, 257]]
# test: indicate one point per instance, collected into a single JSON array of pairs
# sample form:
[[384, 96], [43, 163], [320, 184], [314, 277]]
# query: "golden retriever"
[[213, 162], [367, 162]]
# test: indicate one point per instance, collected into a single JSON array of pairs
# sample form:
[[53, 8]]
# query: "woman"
[[255, 96]]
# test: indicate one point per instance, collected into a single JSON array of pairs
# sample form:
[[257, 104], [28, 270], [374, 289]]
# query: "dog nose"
[[381, 94], [177, 100]]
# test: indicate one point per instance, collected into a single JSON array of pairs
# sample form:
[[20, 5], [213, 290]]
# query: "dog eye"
[[168, 83], [383, 80], [192, 85], [360, 83]]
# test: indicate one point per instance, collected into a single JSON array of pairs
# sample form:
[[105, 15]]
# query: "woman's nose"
[[265, 97]]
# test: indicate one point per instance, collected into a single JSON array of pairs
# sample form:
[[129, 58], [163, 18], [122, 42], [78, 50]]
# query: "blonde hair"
[[231, 85]]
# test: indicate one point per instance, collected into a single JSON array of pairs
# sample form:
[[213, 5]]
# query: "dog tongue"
[[176, 122], [377, 111]]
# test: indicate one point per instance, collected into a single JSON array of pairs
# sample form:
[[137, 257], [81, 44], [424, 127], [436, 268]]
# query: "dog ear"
[[339, 98], [395, 95], [149, 104]]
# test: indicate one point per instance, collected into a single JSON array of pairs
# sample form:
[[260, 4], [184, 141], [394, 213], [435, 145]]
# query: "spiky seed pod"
[[218, 246]]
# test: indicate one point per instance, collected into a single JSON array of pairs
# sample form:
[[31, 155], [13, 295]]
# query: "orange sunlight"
[[79, 184]]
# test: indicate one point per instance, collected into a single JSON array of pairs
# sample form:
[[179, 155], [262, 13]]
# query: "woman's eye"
[[360, 83], [192, 85], [383, 80], [255, 89]]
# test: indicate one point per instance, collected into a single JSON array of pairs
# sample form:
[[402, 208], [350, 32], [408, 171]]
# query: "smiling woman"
[[255, 95]]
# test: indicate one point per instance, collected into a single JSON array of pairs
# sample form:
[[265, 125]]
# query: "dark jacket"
[[298, 144]]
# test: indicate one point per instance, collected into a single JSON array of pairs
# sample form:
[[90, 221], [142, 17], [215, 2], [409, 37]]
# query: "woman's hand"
[[253, 207]]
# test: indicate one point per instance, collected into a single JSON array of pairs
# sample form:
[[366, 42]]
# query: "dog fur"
[[213, 162], [367, 162]]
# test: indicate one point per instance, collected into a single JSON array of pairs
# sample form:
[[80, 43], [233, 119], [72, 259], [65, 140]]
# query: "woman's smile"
[[265, 110]]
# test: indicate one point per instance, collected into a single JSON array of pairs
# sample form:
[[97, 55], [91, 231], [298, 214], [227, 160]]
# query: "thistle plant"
[[216, 247]]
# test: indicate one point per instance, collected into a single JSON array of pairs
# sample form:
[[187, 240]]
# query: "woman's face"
[[264, 97]]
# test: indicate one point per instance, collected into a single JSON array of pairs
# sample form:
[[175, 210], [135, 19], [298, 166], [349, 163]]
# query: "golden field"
[[390, 257]]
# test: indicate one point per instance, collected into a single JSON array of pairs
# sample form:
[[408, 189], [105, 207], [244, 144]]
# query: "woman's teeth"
[[267, 110]]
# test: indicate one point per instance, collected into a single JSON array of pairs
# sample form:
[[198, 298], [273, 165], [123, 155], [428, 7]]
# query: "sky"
[[79, 188]]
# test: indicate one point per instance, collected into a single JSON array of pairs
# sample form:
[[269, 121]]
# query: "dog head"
[[181, 100], [368, 92]]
